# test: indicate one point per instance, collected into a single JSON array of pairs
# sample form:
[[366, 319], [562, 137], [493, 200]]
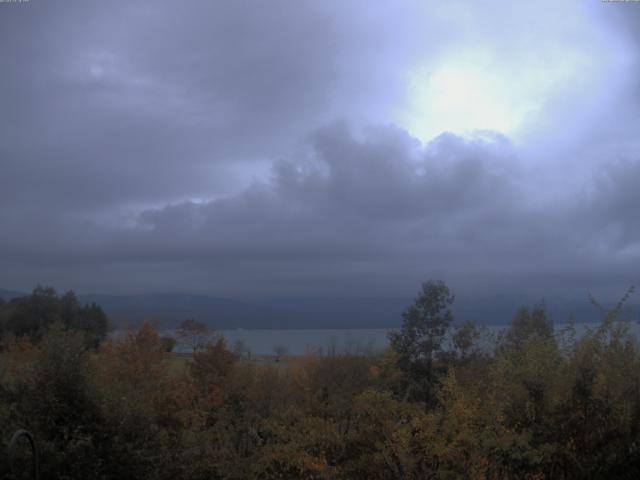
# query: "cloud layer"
[[235, 149]]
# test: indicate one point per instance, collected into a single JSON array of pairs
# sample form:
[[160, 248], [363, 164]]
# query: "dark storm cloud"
[[356, 211], [130, 133], [455, 205]]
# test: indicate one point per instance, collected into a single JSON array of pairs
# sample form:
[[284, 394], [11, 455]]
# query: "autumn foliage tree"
[[194, 334], [421, 337]]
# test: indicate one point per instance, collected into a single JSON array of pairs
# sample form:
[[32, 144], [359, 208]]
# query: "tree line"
[[442, 402]]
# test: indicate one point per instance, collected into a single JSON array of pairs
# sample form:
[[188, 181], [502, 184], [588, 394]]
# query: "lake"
[[299, 342]]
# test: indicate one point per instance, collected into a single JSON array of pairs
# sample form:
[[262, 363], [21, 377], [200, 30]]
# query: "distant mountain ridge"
[[9, 294], [319, 313], [169, 309], [221, 313]]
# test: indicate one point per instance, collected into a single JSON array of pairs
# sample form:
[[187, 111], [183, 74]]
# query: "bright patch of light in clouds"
[[523, 74], [460, 95]]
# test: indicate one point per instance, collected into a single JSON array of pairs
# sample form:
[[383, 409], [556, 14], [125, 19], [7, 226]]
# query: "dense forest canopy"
[[31, 316], [540, 403]]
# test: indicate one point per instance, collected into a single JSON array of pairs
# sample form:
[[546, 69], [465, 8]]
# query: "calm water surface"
[[299, 342]]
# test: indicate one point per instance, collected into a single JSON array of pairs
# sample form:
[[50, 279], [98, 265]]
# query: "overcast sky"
[[311, 148]]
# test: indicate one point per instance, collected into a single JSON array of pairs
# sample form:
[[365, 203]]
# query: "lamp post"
[[34, 450]]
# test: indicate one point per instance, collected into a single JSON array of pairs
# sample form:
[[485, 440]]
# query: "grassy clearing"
[[178, 363]]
